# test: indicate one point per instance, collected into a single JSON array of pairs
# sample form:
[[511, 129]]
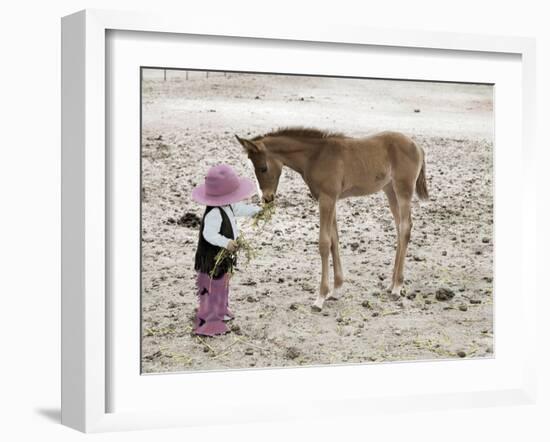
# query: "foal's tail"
[[421, 186]]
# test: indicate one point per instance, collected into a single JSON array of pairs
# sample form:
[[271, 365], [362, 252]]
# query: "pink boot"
[[204, 307], [209, 319], [227, 314]]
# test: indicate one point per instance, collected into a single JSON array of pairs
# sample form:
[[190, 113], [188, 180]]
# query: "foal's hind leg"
[[336, 263], [404, 194], [394, 207]]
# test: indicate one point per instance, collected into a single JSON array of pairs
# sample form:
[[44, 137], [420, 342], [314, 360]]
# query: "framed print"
[[272, 290], [294, 217]]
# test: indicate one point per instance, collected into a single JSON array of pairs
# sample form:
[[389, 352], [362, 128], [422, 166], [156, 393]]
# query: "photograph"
[[306, 220]]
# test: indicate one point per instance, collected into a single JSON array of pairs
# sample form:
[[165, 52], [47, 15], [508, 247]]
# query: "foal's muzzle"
[[267, 198]]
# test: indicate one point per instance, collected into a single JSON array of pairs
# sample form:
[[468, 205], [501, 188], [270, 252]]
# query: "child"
[[221, 192]]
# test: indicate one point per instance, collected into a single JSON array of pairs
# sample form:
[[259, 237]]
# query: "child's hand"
[[232, 246]]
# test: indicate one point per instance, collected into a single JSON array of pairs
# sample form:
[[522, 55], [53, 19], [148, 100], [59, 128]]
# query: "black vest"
[[206, 252]]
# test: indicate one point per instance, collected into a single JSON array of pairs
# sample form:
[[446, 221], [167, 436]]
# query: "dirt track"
[[188, 125]]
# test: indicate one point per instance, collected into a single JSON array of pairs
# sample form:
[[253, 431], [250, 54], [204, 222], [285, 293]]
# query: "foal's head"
[[266, 167]]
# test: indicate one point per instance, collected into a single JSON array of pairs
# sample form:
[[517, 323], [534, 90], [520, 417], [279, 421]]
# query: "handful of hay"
[[265, 215], [244, 246]]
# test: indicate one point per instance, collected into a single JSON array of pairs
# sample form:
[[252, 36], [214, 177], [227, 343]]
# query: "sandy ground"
[[188, 125]]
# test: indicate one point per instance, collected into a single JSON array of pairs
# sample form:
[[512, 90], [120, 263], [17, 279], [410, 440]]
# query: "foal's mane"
[[301, 132]]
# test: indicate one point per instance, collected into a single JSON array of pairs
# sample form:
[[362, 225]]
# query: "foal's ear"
[[249, 146]]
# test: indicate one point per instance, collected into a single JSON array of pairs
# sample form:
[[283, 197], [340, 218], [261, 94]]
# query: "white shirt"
[[213, 222]]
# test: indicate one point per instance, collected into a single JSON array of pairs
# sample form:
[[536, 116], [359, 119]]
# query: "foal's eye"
[[263, 169]]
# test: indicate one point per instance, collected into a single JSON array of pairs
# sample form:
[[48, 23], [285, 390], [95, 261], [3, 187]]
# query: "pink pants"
[[213, 308]]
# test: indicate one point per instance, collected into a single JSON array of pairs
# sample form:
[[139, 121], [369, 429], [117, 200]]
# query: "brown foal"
[[334, 167]]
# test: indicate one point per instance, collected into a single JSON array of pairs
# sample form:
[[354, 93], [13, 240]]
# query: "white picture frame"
[[85, 202]]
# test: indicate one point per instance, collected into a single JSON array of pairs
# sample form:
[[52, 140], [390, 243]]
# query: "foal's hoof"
[[335, 295], [318, 305], [395, 296]]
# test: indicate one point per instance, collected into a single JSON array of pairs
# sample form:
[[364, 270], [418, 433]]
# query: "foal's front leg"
[[326, 211]]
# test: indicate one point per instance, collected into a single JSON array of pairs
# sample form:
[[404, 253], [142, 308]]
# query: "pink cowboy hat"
[[223, 186]]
